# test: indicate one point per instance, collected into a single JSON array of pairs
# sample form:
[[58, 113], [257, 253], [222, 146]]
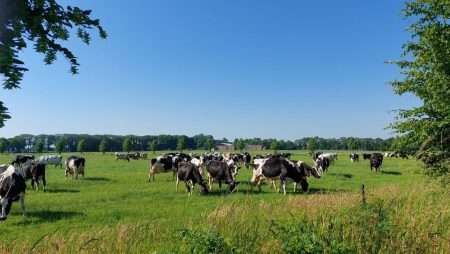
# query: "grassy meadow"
[[115, 210]]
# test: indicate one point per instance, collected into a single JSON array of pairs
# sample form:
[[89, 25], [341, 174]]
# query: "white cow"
[[52, 159]]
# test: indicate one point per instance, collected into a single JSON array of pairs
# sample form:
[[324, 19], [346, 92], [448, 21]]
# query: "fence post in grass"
[[363, 195]]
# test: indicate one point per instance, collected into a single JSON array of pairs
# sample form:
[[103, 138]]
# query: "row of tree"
[[113, 143]]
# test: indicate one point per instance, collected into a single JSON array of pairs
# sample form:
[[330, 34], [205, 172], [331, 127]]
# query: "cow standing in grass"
[[190, 174], [220, 171], [282, 168], [75, 166], [55, 160], [376, 161], [12, 188]]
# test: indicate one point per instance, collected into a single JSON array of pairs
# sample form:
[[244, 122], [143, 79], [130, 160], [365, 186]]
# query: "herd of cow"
[[24, 167], [191, 169], [223, 168]]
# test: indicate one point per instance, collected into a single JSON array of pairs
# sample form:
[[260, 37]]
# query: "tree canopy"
[[45, 24], [425, 67]]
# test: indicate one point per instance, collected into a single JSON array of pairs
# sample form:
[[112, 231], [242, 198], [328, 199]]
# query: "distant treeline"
[[113, 143]]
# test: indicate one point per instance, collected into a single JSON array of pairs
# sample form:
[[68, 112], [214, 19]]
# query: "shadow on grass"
[[342, 175], [97, 179], [37, 217], [62, 191], [390, 172]]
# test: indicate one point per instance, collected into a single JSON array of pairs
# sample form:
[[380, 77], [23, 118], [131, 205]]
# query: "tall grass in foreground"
[[416, 220]]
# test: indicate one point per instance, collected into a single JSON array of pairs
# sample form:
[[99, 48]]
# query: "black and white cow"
[[354, 157], [53, 159], [190, 174], [160, 164], [282, 168], [12, 188], [376, 161], [220, 171], [122, 156], [22, 159], [322, 164], [75, 166]]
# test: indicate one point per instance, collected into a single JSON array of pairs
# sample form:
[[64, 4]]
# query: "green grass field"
[[115, 210]]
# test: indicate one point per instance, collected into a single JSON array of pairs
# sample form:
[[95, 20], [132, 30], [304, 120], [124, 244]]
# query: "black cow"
[[220, 171], [366, 156], [37, 172], [279, 167], [376, 160], [12, 188], [190, 174]]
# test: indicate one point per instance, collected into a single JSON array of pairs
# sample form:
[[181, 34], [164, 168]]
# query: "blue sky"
[[251, 68]]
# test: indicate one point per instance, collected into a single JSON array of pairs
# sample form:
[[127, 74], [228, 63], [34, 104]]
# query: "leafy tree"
[[43, 23], [126, 145], [39, 146], [181, 143], [103, 146], [275, 146], [239, 144], [3, 145], [3, 113], [425, 67], [311, 145], [81, 146], [59, 146], [209, 144], [153, 146]]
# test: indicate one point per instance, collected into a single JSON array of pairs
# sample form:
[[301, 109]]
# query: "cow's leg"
[[295, 187], [176, 184], [220, 185], [22, 203], [274, 185], [209, 182], [33, 184], [44, 182], [4, 204], [188, 189]]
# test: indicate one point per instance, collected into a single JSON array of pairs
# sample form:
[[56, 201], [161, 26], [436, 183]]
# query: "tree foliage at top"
[[425, 66], [45, 24]]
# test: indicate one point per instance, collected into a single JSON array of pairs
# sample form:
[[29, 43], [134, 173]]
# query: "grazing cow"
[[55, 160], [376, 160], [322, 164], [366, 156], [22, 159], [354, 157], [75, 166], [122, 156], [279, 167], [190, 174], [12, 188], [220, 171]]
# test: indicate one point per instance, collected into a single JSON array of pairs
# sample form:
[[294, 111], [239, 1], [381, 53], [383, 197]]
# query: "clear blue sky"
[[284, 69]]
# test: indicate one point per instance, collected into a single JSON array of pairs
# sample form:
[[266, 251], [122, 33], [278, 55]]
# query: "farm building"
[[224, 147]]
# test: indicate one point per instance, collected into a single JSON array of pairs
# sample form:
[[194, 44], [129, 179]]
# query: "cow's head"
[[308, 170], [232, 186]]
